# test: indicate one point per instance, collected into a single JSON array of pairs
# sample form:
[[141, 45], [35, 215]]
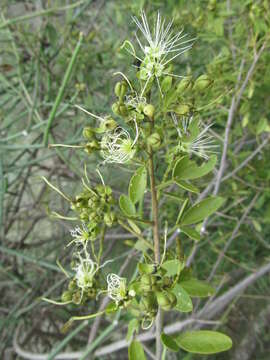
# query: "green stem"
[[103, 231], [156, 239]]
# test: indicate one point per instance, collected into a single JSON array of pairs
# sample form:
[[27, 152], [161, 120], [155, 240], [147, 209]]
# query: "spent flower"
[[117, 289]]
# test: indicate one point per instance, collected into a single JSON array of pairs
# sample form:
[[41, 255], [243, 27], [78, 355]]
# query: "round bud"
[[182, 109], [185, 84], [154, 141], [116, 108], [202, 83], [76, 298], [167, 281], [120, 89], [66, 296], [166, 300], [88, 133], [109, 218], [149, 110], [108, 124], [117, 89], [123, 110]]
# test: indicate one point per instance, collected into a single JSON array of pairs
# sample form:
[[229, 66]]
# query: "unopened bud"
[[66, 296], [182, 109], [88, 133], [120, 89], [202, 83], [154, 140], [166, 300], [108, 124], [185, 84], [116, 109], [149, 110]]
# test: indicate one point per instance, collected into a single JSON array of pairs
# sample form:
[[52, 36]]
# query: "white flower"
[[201, 145], [160, 48], [80, 235], [117, 145], [85, 272], [116, 287]]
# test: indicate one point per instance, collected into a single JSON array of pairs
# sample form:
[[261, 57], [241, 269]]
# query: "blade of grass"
[[62, 89]]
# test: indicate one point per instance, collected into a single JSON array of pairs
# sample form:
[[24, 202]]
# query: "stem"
[[156, 241], [154, 207]]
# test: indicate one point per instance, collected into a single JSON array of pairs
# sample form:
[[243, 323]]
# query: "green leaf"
[[135, 351], [133, 326], [141, 246], [197, 288], [169, 342], [185, 169], [191, 233], [202, 210], [146, 268], [127, 206], [204, 342], [137, 185], [172, 267], [181, 211], [184, 302], [186, 186]]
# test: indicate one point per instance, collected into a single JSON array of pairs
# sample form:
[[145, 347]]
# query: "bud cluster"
[[95, 207]]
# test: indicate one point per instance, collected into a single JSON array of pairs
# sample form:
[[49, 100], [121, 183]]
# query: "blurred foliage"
[[34, 54]]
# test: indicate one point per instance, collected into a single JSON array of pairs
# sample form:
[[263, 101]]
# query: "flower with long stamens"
[[80, 235], [160, 47], [117, 145], [117, 290], [85, 271], [203, 145]]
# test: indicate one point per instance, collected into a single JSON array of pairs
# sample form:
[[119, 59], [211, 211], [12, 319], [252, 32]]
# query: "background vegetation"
[[44, 70]]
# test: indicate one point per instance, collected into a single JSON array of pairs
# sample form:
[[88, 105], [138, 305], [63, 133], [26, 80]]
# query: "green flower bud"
[[182, 109], [116, 108], [76, 298], [154, 141], [66, 296], [91, 146], [109, 219], [120, 89], [123, 110], [212, 5], [91, 293], [202, 83], [166, 300], [149, 110], [108, 124], [167, 281], [185, 84], [88, 133], [166, 84]]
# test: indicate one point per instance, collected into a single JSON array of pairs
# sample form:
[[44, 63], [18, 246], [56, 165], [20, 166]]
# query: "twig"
[[234, 233]]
